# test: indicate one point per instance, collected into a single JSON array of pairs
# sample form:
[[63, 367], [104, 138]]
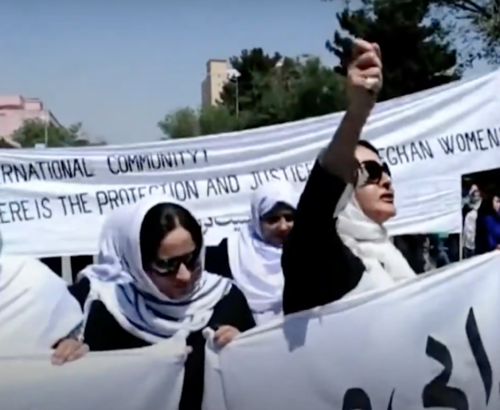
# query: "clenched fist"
[[364, 76]]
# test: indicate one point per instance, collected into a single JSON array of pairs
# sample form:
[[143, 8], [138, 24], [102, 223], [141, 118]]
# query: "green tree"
[[180, 123], [417, 53], [216, 119], [475, 20], [34, 132], [297, 89], [271, 90], [475, 25], [188, 122], [241, 94]]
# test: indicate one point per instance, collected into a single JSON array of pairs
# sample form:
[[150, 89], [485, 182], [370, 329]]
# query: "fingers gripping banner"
[[431, 343], [148, 378]]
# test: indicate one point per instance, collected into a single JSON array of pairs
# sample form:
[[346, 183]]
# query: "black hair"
[[486, 207], [367, 145], [158, 222], [279, 207]]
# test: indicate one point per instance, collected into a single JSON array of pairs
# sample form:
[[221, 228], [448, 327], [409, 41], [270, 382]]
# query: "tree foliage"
[[188, 122], [299, 88], [181, 123], [475, 25], [35, 131], [417, 53], [243, 90], [270, 90]]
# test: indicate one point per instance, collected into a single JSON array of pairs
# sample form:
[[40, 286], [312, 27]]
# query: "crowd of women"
[[481, 215], [154, 277]]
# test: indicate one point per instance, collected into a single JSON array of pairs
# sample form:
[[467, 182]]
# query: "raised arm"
[[317, 267]]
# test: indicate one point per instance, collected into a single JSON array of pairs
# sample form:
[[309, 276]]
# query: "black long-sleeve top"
[[103, 333], [317, 266], [217, 260]]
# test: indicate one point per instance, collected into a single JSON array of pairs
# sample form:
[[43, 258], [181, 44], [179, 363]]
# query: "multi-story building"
[[219, 72], [14, 110]]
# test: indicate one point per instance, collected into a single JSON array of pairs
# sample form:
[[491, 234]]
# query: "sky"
[[120, 66]]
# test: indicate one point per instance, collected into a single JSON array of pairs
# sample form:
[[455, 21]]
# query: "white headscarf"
[[119, 281], [36, 308], [255, 264], [369, 241]]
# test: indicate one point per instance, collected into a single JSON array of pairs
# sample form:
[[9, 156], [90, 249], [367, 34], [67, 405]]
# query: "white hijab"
[[369, 241], [255, 264], [119, 281], [36, 308]]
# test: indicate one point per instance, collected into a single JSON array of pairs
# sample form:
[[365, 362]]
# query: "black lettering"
[[438, 393], [357, 399], [23, 211], [295, 173], [301, 172], [67, 169], [136, 163], [480, 141], [224, 185], [15, 211], [404, 154], [257, 181], [470, 141], [4, 219], [184, 190], [493, 137], [461, 143], [75, 204], [274, 174], [447, 145], [111, 199], [43, 209], [479, 353]]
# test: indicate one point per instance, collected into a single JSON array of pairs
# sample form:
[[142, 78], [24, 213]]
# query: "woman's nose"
[[385, 181], [183, 274]]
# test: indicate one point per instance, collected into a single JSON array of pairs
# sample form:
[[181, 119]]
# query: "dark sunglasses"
[[273, 219], [170, 266], [373, 171]]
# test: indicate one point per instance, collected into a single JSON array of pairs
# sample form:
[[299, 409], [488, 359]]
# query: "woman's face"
[[177, 267], [376, 196], [276, 224], [496, 203], [475, 194]]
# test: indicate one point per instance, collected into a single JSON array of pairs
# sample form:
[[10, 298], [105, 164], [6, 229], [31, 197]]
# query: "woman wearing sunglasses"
[[150, 283], [252, 257], [338, 245]]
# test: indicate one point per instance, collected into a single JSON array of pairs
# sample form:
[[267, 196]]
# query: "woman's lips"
[[388, 197]]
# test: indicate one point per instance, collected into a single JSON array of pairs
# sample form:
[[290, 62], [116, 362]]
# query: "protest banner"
[[147, 378], [428, 343], [66, 192]]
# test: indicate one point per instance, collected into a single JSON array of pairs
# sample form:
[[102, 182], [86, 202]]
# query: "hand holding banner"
[[429, 343], [148, 378]]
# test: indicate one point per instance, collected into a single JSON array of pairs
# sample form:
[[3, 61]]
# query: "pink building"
[[14, 110]]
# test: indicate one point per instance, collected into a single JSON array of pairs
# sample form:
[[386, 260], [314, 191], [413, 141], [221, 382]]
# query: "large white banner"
[[64, 194], [431, 343], [148, 378]]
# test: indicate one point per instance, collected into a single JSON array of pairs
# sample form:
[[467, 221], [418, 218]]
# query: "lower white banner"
[[430, 343], [139, 379]]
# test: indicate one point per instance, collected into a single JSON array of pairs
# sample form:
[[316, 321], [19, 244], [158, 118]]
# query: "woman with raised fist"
[[338, 245]]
